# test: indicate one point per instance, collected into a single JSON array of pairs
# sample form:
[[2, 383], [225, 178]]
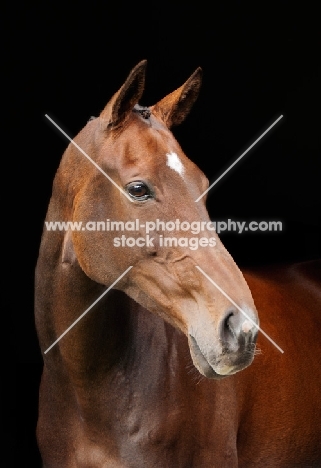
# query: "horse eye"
[[138, 190]]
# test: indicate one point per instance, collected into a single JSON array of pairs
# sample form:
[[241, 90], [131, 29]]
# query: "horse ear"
[[121, 104], [175, 107]]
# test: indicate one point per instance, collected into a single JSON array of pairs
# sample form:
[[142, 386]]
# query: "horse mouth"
[[223, 364]]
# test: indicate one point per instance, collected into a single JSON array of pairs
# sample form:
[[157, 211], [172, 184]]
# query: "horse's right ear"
[[175, 107], [121, 104]]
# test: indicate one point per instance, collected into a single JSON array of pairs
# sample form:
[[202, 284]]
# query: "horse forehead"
[[149, 145], [152, 138]]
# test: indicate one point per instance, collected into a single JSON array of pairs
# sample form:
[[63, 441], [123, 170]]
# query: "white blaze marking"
[[175, 163]]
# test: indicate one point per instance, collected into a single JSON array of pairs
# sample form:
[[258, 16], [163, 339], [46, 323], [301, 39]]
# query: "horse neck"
[[112, 335], [63, 292]]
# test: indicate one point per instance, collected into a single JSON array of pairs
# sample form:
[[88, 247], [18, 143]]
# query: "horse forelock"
[[144, 111]]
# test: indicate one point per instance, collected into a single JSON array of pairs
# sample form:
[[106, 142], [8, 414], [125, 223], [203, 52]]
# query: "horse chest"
[[171, 420]]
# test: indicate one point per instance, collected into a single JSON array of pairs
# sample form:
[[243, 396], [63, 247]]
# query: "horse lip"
[[200, 361], [205, 368]]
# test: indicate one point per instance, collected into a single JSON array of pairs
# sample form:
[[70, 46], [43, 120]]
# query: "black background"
[[258, 61]]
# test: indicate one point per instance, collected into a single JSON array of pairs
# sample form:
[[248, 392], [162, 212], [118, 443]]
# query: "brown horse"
[[121, 389]]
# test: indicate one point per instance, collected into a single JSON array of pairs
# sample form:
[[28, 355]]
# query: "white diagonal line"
[[237, 160], [88, 157], [87, 310], [239, 308]]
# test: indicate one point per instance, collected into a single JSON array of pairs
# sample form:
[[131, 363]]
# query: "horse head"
[[153, 191]]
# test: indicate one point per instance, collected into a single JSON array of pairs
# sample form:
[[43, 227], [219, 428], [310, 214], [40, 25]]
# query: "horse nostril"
[[228, 333], [237, 329]]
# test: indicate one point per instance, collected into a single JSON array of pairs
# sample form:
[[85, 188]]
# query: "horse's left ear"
[[121, 104], [175, 107]]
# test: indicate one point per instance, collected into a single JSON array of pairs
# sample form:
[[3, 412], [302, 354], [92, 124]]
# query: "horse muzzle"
[[229, 352]]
